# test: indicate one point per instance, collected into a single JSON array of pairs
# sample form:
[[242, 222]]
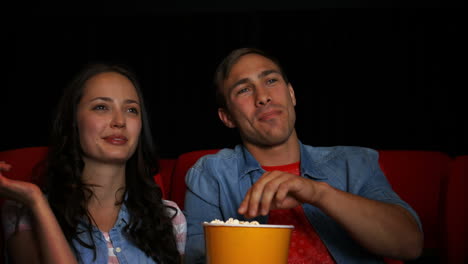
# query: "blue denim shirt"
[[125, 250], [217, 184]]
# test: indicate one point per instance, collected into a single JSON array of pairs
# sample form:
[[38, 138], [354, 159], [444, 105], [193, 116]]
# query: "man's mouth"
[[269, 115]]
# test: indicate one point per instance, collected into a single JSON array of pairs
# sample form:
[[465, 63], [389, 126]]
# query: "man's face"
[[258, 102]]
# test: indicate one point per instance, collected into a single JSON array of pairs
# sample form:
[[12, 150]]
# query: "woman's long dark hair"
[[150, 226]]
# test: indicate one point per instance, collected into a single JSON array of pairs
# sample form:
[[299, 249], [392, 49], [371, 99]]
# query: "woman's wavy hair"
[[150, 226]]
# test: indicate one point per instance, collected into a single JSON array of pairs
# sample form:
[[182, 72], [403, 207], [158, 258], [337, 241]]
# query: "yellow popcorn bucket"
[[245, 244]]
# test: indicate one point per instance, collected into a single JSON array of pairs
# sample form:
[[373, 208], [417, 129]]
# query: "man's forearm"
[[384, 229]]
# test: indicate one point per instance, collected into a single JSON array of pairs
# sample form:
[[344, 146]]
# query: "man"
[[340, 202]]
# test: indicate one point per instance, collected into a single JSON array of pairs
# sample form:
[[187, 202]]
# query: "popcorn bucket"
[[245, 244]]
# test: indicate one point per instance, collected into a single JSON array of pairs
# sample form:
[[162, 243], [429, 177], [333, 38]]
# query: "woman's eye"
[[100, 107], [133, 110]]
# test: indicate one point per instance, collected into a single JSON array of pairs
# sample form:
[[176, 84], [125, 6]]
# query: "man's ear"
[[291, 93], [226, 118]]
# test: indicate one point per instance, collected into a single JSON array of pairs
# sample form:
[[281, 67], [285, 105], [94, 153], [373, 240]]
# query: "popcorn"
[[232, 221]]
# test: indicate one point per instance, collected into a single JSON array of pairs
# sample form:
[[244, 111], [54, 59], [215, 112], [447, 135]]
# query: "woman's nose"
[[118, 120]]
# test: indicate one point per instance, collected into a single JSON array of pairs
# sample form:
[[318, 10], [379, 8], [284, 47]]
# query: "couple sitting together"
[[98, 202]]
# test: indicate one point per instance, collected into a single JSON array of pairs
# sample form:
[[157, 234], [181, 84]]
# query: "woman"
[[102, 204]]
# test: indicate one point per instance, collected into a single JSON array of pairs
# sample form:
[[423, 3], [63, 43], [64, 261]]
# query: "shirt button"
[[118, 250]]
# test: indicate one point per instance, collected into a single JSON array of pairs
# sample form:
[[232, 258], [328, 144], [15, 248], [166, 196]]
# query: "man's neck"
[[285, 153]]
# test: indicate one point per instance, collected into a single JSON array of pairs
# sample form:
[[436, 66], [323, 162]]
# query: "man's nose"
[[262, 96]]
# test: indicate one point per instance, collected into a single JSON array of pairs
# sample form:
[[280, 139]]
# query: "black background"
[[381, 77]]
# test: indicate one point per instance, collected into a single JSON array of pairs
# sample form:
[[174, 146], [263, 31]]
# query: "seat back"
[[455, 233], [25, 160], [24, 163], [163, 178], [417, 177], [183, 163]]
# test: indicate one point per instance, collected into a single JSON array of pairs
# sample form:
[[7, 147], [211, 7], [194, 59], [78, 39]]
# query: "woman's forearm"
[[52, 244]]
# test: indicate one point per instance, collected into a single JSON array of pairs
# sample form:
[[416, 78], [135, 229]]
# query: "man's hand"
[[278, 190]]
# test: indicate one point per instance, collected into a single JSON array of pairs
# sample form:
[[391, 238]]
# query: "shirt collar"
[[310, 162], [247, 162], [123, 217]]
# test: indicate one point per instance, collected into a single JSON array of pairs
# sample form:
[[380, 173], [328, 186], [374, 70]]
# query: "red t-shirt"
[[306, 246]]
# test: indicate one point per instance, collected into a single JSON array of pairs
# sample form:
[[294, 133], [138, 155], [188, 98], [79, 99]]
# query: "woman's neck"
[[107, 181]]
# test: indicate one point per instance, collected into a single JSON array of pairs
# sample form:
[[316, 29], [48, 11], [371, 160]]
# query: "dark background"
[[381, 77]]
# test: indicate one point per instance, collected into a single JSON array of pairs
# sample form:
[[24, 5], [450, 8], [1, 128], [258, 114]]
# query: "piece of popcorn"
[[232, 221]]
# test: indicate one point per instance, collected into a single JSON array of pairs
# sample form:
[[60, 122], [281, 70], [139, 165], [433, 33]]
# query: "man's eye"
[[243, 90], [271, 81]]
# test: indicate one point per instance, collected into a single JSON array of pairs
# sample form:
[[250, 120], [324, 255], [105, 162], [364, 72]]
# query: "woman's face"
[[109, 119]]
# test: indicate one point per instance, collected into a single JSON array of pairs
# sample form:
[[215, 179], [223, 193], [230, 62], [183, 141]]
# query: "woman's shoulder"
[[180, 226], [178, 220], [14, 217], [11, 210], [179, 217], [171, 203]]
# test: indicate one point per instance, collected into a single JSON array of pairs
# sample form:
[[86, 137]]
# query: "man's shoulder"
[[324, 154], [223, 156], [213, 168]]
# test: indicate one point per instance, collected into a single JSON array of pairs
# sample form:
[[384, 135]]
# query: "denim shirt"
[[12, 213], [125, 250], [217, 184]]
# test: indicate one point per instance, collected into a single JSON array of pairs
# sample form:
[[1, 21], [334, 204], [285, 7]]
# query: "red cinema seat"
[[183, 163], [25, 162], [455, 216], [163, 178], [417, 177]]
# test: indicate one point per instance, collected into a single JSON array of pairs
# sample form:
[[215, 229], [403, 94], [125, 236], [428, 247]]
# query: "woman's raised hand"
[[20, 191]]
